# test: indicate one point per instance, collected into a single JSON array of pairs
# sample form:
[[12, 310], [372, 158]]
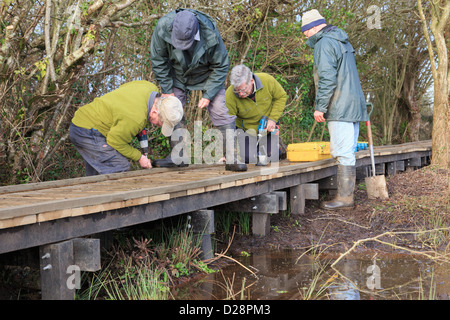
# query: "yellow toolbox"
[[308, 151]]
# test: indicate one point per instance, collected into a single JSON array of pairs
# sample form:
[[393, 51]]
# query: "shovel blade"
[[376, 187]]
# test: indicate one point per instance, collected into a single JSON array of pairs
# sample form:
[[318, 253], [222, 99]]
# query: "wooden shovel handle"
[[369, 133]]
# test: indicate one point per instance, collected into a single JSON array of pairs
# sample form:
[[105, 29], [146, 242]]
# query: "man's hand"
[[203, 103], [318, 116], [145, 162], [271, 125]]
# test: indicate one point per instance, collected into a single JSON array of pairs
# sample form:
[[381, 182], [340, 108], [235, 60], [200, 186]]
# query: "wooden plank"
[[79, 211], [147, 183], [7, 203], [159, 197], [73, 212], [195, 191], [414, 146], [53, 194], [245, 181], [227, 184], [212, 188], [88, 180], [19, 221], [226, 180], [79, 226], [168, 196], [178, 194]]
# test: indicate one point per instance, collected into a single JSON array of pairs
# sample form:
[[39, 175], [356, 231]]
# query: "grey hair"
[[157, 106], [240, 74]]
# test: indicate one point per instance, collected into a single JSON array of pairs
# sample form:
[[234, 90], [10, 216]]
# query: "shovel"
[[376, 185]]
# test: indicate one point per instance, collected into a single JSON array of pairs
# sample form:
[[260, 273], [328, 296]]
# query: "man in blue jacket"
[[188, 53], [339, 99]]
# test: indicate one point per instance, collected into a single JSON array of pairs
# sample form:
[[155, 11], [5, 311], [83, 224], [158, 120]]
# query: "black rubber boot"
[[283, 149], [236, 165], [168, 162], [346, 180]]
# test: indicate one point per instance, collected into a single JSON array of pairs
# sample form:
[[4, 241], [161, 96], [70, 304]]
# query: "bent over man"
[[188, 53], [339, 99], [102, 130]]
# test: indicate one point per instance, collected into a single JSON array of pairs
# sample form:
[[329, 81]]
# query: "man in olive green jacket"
[[250, 97], [339, 99], [103, 129], [188, 53]]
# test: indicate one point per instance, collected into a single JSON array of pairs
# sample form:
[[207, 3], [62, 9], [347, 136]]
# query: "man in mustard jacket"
[[102, 130], [250, 97]]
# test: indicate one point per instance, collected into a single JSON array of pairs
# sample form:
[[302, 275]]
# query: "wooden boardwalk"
[[41, 213]]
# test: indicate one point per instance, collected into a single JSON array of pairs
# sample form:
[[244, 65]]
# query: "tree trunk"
[[441, 117], [409, 95], [440, 11]]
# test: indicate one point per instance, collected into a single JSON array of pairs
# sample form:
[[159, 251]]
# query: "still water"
[[273, 275]]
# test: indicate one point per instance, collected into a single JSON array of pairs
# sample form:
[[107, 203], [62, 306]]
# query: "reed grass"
[[142, 269]]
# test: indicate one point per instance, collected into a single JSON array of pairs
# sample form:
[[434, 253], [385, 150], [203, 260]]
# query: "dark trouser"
[[268, 146], [217, 109], [98, 156], [218, 113]]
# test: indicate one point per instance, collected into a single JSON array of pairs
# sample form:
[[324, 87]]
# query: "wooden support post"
[[264, 203], [400, 165], [202, 222], [424, 161], [86, 254], [282, 199], [329, 183], [361, 172], [260, 223], [414, 162], [61, 264], [380, 169], [261, 207], [55, 259], [391, 168], [273, 203], [300, 193]]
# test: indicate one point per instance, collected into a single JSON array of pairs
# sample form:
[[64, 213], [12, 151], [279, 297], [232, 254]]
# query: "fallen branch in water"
[[223, 255], [445, 258], [220, 255]]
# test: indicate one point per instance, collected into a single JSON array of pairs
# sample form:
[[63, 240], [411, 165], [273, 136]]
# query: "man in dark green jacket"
[[339, 99], [188, 53]]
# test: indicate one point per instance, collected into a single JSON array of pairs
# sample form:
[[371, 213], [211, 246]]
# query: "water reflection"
[[282, 275], [344, 291]]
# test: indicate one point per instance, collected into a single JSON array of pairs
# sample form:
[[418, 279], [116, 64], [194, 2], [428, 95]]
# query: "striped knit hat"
[[311, 19]]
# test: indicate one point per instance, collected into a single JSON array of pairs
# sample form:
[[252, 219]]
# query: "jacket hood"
[[329, 31]]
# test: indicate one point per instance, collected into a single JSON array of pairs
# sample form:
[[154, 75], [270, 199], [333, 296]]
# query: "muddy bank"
[[418, 201]]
